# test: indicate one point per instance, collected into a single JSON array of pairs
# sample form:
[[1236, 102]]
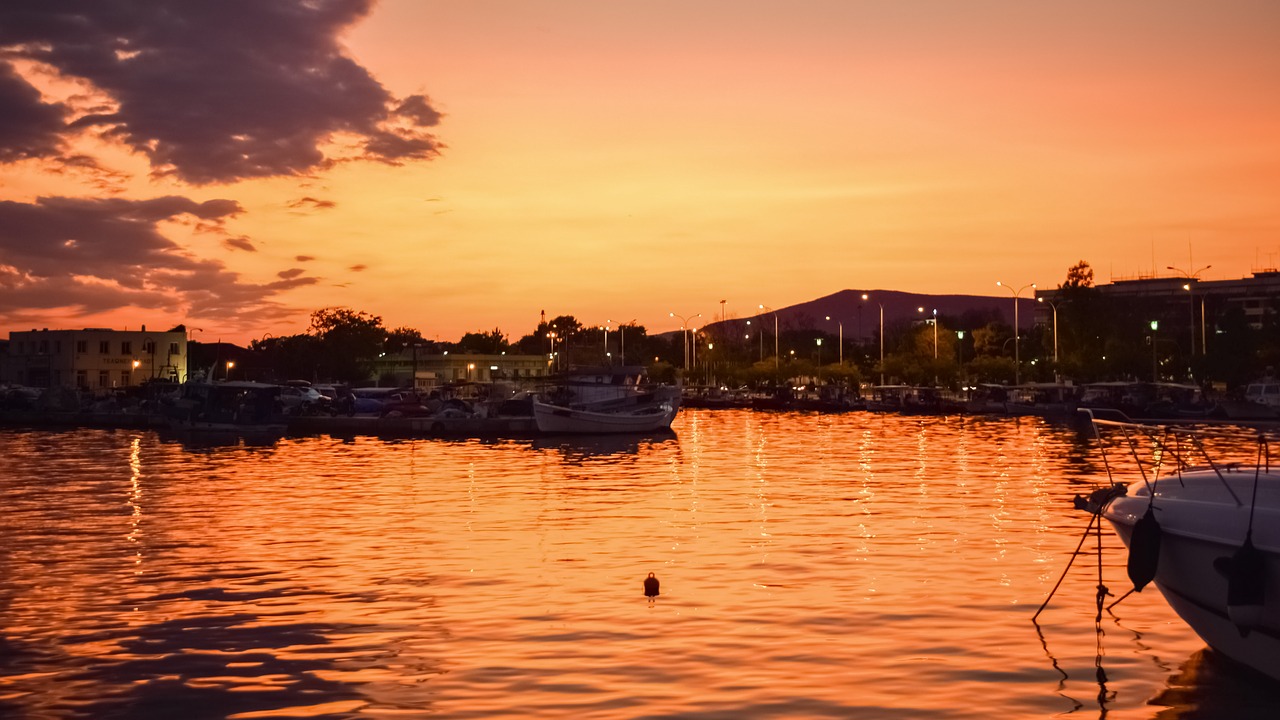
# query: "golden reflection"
[[135, 502]]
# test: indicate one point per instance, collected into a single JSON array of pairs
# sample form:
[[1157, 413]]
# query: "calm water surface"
[[852, 566]]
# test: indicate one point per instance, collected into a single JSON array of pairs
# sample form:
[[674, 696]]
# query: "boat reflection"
[[586, 446], [1210, 686]]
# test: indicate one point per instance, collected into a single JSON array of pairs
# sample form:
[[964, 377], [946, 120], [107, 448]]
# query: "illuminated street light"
[[1190, 276], [1017, 362], [684, 323], [864, 297], [840, 326], [775, 334], [1055, 326]]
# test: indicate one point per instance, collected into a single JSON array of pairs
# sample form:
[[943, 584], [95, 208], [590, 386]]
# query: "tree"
[[348, 342], [490, 343], [1079, 275], [403, 338]]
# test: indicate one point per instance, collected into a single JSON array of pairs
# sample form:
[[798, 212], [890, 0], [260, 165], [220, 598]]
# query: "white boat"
[[1209, 537], [644, 418], [607, 400]]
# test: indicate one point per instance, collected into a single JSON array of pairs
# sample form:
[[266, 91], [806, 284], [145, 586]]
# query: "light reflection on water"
[[869, 566]]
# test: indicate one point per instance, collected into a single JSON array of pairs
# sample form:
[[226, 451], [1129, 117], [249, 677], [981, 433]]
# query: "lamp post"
[[840, 327], [230, 366], [775, 335], [1017, 359], [1193, 276], [1054, 306], [1155, 325], [864, 297], [605, 328], [760, 336], [684, 323], [935, 329]]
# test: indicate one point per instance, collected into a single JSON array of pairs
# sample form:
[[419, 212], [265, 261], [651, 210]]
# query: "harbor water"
[[811, 566]]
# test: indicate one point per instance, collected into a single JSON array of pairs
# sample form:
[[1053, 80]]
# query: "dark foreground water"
[[853, 566]]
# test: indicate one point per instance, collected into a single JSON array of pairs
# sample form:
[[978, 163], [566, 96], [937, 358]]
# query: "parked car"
[[303, 400], [404, 404]]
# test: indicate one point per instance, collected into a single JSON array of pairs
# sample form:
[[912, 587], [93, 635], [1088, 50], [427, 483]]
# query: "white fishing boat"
[[606, 400], [636, 419], [1208, 536]]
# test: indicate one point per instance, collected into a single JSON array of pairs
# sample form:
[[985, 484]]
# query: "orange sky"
[[624, 160]]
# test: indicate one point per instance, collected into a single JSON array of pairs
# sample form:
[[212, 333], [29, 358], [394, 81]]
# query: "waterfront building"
[[93, 358], [1187, 304]]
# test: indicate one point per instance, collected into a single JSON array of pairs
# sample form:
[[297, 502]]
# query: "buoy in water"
[[651, 586], [1144, 550], [1246, 586]]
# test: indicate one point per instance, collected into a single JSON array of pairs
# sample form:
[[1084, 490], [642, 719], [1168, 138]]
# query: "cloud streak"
[[96, 255]]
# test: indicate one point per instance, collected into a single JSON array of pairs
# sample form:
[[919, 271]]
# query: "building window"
[[82, 346], [126, 379], [57, 347], [104, 378], [82, 378], [44, 347], [173, 348], [104, 346], [126, 348]]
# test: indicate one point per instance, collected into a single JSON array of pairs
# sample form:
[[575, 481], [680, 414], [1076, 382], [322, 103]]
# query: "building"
[[1187, 305], [94, 358]]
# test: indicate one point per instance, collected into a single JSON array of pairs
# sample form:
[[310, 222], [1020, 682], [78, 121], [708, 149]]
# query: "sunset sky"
[[460, 166]]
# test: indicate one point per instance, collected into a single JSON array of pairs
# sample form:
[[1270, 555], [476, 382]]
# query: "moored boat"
[[607, 400], [642, 418], [1209, 538]]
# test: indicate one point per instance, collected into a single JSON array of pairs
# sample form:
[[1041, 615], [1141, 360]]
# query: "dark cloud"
[[239, 243], [358, 268], [313, 203], [96, 255], [290, 274], [29, 127], [304, 258], [211, 91]]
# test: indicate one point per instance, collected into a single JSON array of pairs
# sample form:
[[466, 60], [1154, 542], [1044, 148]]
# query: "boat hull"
[[1202, 523], [559, 419]]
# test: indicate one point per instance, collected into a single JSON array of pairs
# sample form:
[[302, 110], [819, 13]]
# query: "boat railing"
[[1184, 445]]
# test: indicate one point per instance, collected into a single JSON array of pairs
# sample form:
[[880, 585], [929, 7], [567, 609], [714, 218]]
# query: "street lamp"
[[864, 297], [684, 323], [775, 335], [840, 326], [935, 329], [605, 328], [1155, 325], [1017, 361], [1193, 276], [230, 365], [1055, 327]]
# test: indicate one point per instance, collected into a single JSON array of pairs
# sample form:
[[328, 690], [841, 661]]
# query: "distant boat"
[[606, 400], [1215, 555]]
